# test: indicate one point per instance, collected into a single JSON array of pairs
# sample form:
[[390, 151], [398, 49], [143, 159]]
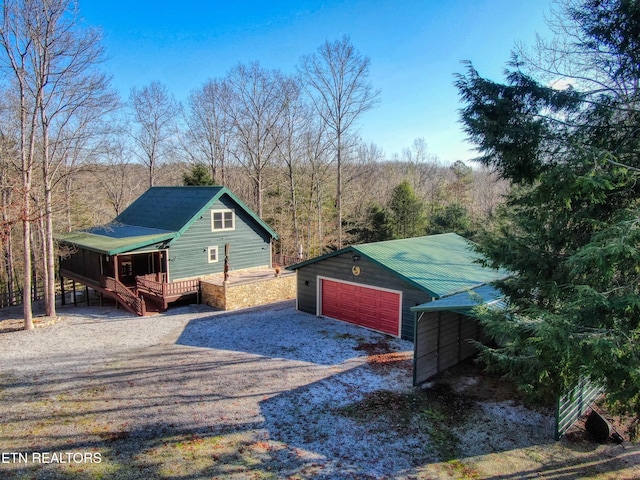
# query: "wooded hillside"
[[74, 154]]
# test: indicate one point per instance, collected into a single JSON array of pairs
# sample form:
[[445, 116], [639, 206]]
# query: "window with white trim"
[[223, 220], [212, 254]]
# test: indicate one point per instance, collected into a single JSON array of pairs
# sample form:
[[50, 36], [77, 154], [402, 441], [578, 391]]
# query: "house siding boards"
[[371, 274], [250, 245]]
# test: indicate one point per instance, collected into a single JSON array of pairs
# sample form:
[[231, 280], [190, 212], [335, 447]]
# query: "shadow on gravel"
[[281, 333], [149, 414]]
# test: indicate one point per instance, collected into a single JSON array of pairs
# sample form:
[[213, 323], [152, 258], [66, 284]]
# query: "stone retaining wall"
[[230, 296]]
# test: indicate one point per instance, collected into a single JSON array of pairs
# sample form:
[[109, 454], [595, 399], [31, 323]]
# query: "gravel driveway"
[[263, 393]]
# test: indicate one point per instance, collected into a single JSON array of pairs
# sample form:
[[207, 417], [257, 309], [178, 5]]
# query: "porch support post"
[[115, 268], [62, 300]]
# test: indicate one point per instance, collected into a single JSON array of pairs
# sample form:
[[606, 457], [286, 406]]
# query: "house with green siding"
[[156, 250]]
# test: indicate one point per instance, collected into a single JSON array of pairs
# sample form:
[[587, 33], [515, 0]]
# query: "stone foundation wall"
[[242, 295]]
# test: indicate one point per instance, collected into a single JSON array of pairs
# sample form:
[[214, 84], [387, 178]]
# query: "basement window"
[[223, 220], [212, 254]]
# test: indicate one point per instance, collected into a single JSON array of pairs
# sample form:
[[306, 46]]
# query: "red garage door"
[[370, 307]]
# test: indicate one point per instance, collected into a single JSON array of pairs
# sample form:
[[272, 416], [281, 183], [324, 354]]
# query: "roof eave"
[[123, 248]]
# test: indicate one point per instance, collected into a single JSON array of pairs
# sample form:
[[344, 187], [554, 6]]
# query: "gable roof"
[[441, 264], [159, 214], [176, 208]]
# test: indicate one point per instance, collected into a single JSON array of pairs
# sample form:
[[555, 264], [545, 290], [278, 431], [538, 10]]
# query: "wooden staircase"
[[124, 296]]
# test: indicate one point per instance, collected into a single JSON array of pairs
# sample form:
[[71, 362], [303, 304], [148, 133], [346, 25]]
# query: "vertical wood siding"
[[250, 245], [442, 341], [83, 262], [340, 268]]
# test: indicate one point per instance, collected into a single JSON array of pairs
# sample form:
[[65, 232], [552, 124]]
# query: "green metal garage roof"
[[441, 264]]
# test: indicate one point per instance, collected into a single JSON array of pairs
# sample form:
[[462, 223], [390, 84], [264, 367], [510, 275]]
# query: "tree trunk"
[[339, 189], [26, 245], [49, 258], [7, 247], [258, 191], [294, 206], [49, 277]]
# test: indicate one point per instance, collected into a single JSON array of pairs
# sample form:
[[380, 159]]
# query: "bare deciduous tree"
[[296, 120], [15, 36], [209, 127], [337, 80], [155, 112], [117, 177], [9, 215], [256, 107], [52, 61]]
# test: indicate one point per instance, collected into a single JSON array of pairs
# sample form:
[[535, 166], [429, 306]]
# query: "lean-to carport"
[[444, 329]]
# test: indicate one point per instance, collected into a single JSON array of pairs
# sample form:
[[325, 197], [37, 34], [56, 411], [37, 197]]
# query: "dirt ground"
[[266, 393]]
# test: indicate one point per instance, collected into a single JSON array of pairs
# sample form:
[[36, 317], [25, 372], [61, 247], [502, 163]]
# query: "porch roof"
[[113, 238]]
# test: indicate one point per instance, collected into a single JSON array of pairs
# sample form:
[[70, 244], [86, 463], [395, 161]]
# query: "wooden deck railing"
[[167, 290]]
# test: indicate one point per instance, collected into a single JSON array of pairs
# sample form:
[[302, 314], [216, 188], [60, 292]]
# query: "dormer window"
[[223, 220]]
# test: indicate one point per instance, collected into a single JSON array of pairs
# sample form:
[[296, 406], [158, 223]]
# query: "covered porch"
[[130, 266]]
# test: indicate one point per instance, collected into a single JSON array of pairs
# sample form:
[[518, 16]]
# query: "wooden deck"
[[164, 292], [139, 299]]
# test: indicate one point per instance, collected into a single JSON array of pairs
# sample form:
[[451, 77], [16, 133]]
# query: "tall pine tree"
[[570, 231], [406, 210]]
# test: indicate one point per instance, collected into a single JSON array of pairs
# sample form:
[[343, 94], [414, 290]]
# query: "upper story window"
[[223, 220]]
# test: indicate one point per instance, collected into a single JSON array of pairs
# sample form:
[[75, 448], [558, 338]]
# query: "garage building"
[[375, 285]]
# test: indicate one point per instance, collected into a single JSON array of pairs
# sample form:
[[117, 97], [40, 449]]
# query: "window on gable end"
[[223, 220]]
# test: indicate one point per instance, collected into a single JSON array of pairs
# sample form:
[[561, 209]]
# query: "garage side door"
[[367, 306]]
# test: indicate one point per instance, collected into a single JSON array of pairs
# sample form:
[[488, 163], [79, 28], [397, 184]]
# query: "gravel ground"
[[262, 393]]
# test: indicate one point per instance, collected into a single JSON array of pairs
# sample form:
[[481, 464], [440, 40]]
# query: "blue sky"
[[415, 47]]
